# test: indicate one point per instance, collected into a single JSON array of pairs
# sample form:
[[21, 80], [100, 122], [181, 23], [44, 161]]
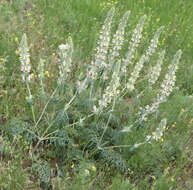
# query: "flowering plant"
[[86, 110]]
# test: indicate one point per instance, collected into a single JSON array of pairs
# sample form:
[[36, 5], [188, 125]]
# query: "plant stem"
[[106, 126], [45, 107], [32, 107]]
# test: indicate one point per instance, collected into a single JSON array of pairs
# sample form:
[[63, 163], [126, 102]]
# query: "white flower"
[[41, 75], [155, 71], [166, 88], [112, 90], [87, 173], [64, 47], [24, 59], [135, 40], [100, 56], [158, 133], [65, 60], [118, 39], [145, 58]]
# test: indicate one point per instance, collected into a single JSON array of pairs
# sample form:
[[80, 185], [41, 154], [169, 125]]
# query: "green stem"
[[69, 103], [106, 126], [45, 107], [32, 107]]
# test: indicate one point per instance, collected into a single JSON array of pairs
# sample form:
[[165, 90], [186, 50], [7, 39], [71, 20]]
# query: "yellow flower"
[[162, 140], [16, 39], [47, 74], [16, 52], [26, 97], [172, 179], [182, 110], [158, 19], [28, 14], [93, 168], [153, 177], [163, 41], [1, 59], [72, 166]]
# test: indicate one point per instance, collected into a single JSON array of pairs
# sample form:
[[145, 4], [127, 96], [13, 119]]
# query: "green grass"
[[47, 24]]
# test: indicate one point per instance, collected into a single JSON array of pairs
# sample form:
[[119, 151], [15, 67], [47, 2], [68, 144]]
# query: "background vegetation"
[[73, 163]]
